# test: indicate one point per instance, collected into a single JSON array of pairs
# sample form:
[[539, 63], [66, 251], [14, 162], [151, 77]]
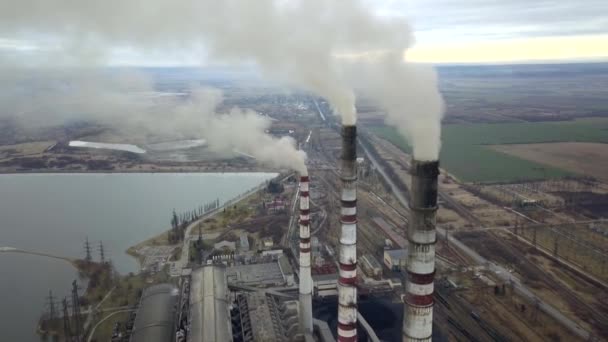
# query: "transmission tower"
[[102, 256], [67, 332], [87, 249], [51, 300], [76, 309]]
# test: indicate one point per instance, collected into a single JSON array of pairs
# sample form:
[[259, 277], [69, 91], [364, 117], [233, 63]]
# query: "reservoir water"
[[54, 213]]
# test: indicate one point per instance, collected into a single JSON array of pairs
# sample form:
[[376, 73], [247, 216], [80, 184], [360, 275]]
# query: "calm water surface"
[[54, 213]]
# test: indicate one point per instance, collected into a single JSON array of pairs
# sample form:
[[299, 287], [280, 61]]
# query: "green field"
[[463, 152]]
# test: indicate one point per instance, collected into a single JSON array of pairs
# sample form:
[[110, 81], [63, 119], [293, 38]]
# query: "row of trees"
[[179, 222]]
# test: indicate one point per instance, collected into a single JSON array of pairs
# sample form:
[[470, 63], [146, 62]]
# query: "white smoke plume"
[[48, 97], [295, 41], [410, 95], [301, 42], [244, 130], [128, 102]]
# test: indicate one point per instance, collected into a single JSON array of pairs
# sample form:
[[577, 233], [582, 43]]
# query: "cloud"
[[293, 41], [473, 31], [449, 20], [515, 50], [435, 23], [127, 101]]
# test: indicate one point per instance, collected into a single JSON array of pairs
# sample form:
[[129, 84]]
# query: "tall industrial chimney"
[[418, 309], [347, 290], [306, 322]]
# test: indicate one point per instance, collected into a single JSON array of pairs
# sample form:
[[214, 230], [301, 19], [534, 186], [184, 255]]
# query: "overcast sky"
[[467, 31], [444, 20], [505, 30]]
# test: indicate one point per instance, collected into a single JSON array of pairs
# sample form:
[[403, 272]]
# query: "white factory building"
[[395, 259]]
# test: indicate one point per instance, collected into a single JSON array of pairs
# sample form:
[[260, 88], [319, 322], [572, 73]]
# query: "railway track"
[[523, 290], [600, 319], [591, 314], [464, 323]]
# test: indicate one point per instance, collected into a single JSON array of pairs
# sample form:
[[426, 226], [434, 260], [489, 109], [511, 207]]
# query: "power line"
[[67, 331], [87, 249], [76, 309], [102, 256], [51, 303]]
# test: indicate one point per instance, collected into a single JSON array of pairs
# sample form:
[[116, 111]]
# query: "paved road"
[[500, 271], [294, 217], [396, 191], [177, 266], [92, 333], [319, 110]]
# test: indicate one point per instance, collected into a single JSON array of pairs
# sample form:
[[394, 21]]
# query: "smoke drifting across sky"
[[295, 41], [409, 94], [127, 101], [292, 40]]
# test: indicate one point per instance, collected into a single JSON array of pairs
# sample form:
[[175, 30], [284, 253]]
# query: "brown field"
[[24, 149], [590, 159]]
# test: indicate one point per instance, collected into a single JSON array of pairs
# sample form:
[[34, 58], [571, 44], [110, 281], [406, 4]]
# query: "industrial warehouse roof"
[[265, 324], [396, 254], [155, 320], [255, 274], [225, 244], [373, 262], [285, 265], [395, 234], [325, 277], [209, 317]]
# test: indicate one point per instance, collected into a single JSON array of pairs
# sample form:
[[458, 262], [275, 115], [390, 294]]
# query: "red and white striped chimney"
[[419, 288], [306, 323], [347, 283]]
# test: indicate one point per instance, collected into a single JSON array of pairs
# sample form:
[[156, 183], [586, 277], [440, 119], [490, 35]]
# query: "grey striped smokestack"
[[306, 323], [418, 308], [347, 282]]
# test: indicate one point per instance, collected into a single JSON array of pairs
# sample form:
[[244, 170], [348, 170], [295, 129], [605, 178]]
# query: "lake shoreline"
[[56, 212], [162, 237]]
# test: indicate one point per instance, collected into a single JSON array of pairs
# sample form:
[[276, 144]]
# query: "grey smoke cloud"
[[294, 41], [128, 102], [409, 95], [239, 129], [47, 97], [297, 42]]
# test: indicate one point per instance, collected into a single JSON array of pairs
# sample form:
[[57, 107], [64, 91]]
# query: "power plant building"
[[262, 317], [266, 274], [209, 318], [225, 245], [155, 320], [325, 284], [371, 266], [259, 302], [395, 259], [286, 270]]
